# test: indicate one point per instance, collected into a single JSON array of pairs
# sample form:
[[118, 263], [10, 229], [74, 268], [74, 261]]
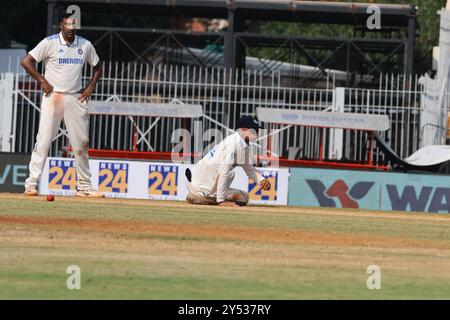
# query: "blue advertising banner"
[[143, 180], [13, 171], [369, 190]]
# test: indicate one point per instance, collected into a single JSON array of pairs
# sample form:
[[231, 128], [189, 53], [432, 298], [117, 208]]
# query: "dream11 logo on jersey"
[[340, 191]]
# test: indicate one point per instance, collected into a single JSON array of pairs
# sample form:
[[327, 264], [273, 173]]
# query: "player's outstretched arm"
[[253, 173], [87, 92], [29, 64]]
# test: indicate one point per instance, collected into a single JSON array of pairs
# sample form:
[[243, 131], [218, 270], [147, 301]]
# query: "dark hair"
[[65, 15]]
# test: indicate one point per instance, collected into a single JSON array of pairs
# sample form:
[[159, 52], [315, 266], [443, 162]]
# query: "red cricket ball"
[[50, 198]]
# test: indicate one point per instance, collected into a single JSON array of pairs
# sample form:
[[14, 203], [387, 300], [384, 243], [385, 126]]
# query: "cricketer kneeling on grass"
[[210, 181], [64, 55]]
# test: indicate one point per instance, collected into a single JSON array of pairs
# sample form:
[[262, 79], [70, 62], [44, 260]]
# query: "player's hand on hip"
[[86, 94], [228, 204], [46, 87], [265, 184]]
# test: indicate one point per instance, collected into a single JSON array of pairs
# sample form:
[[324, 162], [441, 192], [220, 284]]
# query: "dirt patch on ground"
[[269, 235]]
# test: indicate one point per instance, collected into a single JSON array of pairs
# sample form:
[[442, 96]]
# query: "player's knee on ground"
[[195, 199]]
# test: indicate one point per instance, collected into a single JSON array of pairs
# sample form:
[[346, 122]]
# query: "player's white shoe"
[[31, 191], [91, 193]]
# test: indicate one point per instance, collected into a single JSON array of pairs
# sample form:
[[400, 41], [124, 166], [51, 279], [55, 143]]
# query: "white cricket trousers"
[[55, 107], [198, 196]]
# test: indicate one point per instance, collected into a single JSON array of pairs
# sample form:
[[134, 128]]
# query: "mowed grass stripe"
[[264, 217], [167, 250], [115, 276]]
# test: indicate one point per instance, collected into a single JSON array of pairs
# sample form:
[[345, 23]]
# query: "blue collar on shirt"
[[64, 43]]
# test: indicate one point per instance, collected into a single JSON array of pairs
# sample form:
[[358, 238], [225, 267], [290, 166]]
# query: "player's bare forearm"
[[96, 76], [28, 63], [87, 92]]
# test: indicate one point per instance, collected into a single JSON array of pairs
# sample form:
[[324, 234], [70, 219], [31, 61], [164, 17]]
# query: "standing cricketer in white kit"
[[210, 179], [64, 55]]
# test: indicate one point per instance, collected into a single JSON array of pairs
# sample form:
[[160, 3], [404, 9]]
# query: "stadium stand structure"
[[367, 52], [322, 119]]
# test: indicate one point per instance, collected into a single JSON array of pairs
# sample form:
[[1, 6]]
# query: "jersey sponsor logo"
[[113, 178], [61, 50], [163, 181], [71, 61], [62, 175], [80, 52], [256, 193]]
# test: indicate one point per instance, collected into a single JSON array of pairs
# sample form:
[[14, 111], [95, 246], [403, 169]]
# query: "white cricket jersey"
[[64, 62], [209, 174]]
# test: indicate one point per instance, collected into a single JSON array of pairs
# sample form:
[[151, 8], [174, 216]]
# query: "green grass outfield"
[[137, 249]]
